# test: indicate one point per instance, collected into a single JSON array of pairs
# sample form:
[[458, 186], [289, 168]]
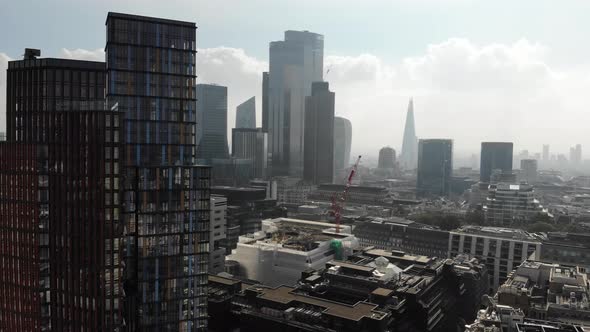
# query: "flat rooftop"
[[140, 18], [356, 312], [499, 232]]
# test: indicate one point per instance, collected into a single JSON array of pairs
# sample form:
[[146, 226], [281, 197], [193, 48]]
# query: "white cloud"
[[241, 73], [81, 54], [461, 90]]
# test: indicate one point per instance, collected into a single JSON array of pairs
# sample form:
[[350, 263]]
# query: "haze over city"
[[477, 70]]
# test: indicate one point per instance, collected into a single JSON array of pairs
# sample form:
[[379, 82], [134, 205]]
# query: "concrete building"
[[211, 135], [545, 153], [291, 191], [374, 290], [567, 249], [409, 155], [435, 167], [318, 164], [548, 292], [251, 143], [402, 234], [501, 249], [342, 142], [386, 158], [529, 170], [494, 155], [284, 248], [246, 114], [294, 64], [217, 233], [507, 204], [357, 195]]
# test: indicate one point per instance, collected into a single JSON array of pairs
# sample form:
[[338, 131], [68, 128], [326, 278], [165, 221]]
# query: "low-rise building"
[[374, 290], [360, 195], [500, 249], [217, 233], [285, 247]]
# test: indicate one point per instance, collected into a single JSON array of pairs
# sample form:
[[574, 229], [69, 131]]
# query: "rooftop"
[[285, 295], [500, 232], [149, 19]]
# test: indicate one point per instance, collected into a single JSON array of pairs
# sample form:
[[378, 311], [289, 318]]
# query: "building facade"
[[294, 64], [508, 204], [494, 155], [151, 81], [246, 114], [211, 122], [529, 170], [435, 167], [60, 200], [500, 249], [251, 143], [342, 142], [318, 164], [218, 233]]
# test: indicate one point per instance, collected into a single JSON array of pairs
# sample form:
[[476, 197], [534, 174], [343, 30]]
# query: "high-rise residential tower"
[[246, 114], [211, 122], [494, 155], [151, 81], [435, 167], [342, 142], [409, 153], [386, 158], [295, 63], [61, 228], [319, 135]]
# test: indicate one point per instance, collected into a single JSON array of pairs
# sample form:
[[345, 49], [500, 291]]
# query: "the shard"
[[409, 153]]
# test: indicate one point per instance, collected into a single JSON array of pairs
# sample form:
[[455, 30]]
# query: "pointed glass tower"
[[409, 153]]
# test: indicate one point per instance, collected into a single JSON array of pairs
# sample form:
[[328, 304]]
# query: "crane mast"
[[338, 199]]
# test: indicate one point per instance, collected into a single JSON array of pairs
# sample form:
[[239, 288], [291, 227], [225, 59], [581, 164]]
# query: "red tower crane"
[[338, 199]]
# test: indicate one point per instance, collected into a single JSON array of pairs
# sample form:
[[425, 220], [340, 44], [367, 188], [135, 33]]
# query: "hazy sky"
[[478, 70]]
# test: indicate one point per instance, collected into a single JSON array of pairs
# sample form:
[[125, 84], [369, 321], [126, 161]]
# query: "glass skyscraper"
[[211, 123], [435, 167], [295, 63], [494, 155], [151, 81]]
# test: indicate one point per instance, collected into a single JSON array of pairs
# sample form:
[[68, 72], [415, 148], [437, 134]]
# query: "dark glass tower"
[[211, 122], [342, 142], [435, 167], [151, 80], [60, 214], [319, 135], [386, 158], [494, 155]]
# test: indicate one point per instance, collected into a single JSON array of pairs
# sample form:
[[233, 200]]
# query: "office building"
[[576, 154], [528, 170], [60, 217], [342, 142], [284, 248], [386, 158], [217, 233], [246, 114], [251, 143], [265, 101], [319, 135], [294, 64], [500, 249], [567, 249], [435, 167], [509, 204], [231, 171], [494, 155], [374, 290], [211, 122], [151, 80], [409, 155], [357, 195]]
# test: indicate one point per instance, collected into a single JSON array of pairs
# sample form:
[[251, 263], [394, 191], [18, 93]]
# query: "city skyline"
[[377, 78]]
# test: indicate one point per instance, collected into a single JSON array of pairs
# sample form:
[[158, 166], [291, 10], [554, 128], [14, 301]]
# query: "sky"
[[500, 70]]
